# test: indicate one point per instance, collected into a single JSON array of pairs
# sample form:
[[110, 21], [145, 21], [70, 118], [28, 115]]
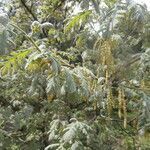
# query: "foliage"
[[74, 81]]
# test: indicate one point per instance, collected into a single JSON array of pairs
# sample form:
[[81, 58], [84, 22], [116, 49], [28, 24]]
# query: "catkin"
[[142, 83], [119, 103], [106, 76], [110, 101], [122, 110]]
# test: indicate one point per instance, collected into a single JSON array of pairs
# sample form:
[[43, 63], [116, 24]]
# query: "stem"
[[28, 9], [27, 36], [35, 45], [96, 7]]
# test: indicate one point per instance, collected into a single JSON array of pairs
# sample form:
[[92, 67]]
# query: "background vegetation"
[[74, 81]]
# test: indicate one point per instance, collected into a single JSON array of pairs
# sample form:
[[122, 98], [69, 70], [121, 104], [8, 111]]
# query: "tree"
[[74, 81]]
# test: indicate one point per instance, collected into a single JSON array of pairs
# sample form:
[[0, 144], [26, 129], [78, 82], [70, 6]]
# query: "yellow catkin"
[[106, 76], [105, 56], [110, 103], [104, 60], [122, 109], [85, 99], [105, 53], [119, 103], [125, 122], [142, 83], [50, 97], [95, 105], [112, 99]]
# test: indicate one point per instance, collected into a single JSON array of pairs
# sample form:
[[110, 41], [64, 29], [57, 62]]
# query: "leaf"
[[69, 83], [4, 19], [85, 4], [55, 127], [13, 62], [53, 85], [77, 145], [52, 146], [78, 20], [75, 130], [3, 40], [33, 57], [55, 66], [70, 134]]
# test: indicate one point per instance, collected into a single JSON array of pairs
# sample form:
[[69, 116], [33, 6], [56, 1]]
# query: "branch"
[[96, 7], [27, 36], [59, 5], [122, 67], [133, 60], [28, 9], [36, 46]]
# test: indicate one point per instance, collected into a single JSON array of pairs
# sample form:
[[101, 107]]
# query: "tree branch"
[[121, 68], [96, 7], [28, 9]]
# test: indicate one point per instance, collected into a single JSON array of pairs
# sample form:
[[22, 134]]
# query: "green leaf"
[[70, 84], [78, 20]]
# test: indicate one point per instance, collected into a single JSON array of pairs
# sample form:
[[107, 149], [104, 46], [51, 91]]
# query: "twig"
[[36, 46], [27, 36], [28, 9], [120, 68], [96, 7]]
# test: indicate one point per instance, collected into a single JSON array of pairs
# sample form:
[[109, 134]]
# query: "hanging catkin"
[[142, 83], [110, 102], [122, 110], [119, 102]]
